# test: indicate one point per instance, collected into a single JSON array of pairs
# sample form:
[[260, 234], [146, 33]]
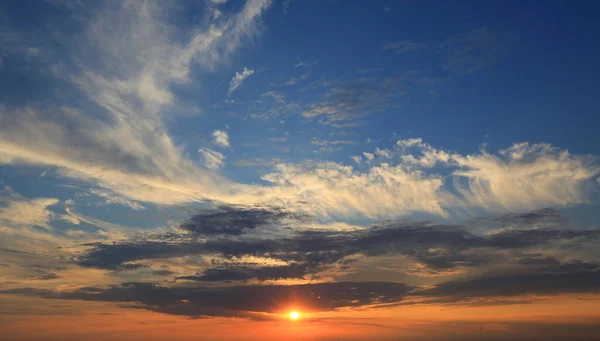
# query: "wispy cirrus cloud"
[[137, 62], [120, 141], [212, 159], [307, 63], [239, 79]]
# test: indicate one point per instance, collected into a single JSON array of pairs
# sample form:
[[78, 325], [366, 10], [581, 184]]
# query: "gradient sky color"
[[388, 169]]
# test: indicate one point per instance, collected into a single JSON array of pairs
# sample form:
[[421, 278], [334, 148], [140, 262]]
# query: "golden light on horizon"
[[294, 315]]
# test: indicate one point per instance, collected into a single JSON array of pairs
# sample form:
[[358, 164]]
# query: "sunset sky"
[[299, 170]]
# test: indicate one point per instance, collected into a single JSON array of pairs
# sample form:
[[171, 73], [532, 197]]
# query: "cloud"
[[238, 79], [473, 50], [276, 236], [212, 159], [402, 46], [113, 198], [256, 163], [416, 177], [295, 80], [525, 176], [358, 98], [25, 212], [245, 273], [307, 63], [236, 220], [318, 142], [20, 213], [221, 138], [563, 278], [534, 254], [517, 253], [126, 93], [238, 301], [330, 188], [462, 53], [116, 137], [519, 178], [276, 96]]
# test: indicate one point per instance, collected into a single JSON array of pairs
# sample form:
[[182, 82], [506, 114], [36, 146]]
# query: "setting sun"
[[294, 315]]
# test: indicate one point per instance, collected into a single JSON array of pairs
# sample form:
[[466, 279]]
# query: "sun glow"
[[294, 315]]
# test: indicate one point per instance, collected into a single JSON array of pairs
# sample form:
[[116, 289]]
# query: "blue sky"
[[127, 119]]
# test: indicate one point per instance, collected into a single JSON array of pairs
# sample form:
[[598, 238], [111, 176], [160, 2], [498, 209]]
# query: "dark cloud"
[[522, 243], [245, 273], [545, 215], [112, 256], [42, 276], [437, 246], [574, 277], [237, 300], [566, 278], [227, 220], [163, 273]]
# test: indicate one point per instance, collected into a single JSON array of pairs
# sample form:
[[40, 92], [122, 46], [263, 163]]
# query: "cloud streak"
[[239, 79], [212, 159]]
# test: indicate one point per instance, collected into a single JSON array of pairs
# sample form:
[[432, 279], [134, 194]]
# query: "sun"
[[294, 315]]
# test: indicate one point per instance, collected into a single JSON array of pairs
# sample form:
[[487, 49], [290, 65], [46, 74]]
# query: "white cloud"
[[384, 153], [21, 219], [113, 198], [320, 110], [307, 63], [125, 147], [238, 79], [409, 142], [330, 188], [525, 177], [276, 96], [318, 142], [519, 178], [32, 212], [401, 182], [221, 138], [212, 159]]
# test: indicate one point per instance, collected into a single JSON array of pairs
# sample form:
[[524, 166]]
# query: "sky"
[[388, 170]]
